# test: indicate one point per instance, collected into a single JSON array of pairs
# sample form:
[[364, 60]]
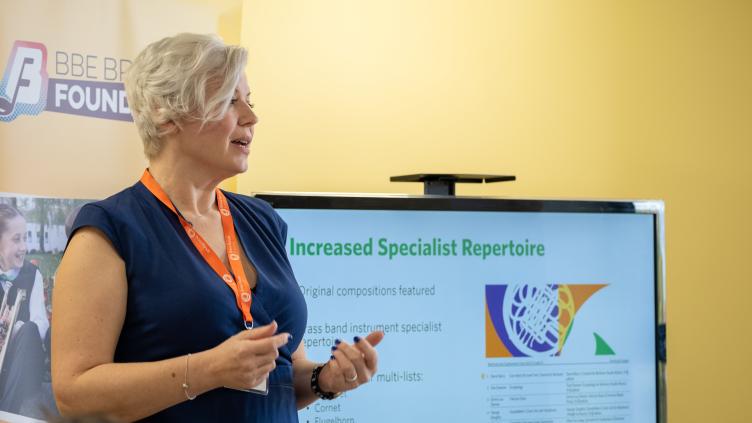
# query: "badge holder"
[[260, 389]]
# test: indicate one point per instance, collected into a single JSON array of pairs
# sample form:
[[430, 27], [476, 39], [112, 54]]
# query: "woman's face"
[[13, 244], [223, 146]]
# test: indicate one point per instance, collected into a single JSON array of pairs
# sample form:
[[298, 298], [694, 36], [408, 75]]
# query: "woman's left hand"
[[352, 365]]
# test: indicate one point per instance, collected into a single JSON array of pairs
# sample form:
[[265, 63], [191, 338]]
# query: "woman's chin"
[[240, 166]]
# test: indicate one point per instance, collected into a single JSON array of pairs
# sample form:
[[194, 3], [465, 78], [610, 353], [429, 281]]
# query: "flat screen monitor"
[[494, 310]]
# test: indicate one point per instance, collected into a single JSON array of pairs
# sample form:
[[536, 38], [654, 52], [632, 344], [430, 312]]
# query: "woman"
[[160, 282], [21, 376]]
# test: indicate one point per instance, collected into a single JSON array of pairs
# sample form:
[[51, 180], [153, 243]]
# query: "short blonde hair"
[[178, 79]]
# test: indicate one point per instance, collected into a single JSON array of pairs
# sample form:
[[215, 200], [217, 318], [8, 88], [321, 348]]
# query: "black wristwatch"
[[317, 389]]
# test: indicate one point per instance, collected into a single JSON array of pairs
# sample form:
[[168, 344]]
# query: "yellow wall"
[[584, 98]]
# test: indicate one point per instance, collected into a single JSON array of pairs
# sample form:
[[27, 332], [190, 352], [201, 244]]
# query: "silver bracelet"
[[185, 380]]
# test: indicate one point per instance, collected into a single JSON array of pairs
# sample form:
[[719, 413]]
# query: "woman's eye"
[[235, 100]]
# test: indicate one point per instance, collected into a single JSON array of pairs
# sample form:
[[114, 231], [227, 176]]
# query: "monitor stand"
[[444, 183]]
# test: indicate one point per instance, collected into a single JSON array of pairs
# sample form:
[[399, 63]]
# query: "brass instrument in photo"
[[8, 314]]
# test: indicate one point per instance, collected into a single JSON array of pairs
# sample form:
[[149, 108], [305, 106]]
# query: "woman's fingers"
[[262, 354], [250, 355], [353, 364], [263, 371], [267, 346], [375, 337], [348, 372], [370, 356], [260, 332], [363, 373]]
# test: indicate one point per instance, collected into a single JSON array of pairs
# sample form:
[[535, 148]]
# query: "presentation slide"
[[489, 316]]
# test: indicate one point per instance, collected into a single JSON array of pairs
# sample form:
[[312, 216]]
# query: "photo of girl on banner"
[[32, 239]]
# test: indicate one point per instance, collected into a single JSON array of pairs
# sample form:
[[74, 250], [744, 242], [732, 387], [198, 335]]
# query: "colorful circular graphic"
[[531, 318]]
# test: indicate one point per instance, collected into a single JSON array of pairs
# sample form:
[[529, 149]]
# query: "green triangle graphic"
[[601, 347]]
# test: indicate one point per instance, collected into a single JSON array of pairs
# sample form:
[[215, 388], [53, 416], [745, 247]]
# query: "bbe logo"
[[23, 89], [26, 88]]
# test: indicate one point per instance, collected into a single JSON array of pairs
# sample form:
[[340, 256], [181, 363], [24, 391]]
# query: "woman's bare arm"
[[301, 373]]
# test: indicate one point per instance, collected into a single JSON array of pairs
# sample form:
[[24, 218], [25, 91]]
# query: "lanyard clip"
[[248, 325]]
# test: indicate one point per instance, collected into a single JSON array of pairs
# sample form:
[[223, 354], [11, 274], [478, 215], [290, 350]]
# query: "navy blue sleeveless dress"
[[178, 305]]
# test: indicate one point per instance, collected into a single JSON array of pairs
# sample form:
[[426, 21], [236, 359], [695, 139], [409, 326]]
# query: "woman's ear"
[[168, 128]]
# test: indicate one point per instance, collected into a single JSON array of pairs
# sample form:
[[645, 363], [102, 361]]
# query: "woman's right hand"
[[246, 359]]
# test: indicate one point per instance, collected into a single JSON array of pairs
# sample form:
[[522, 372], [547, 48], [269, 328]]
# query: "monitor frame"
[[656, 208]]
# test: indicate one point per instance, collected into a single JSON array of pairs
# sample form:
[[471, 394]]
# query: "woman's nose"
[[247, 117]]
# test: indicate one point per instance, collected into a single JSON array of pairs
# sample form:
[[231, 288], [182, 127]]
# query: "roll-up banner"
[[66, 133]]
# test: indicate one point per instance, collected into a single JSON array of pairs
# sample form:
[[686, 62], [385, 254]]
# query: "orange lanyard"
[[239, 283]]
